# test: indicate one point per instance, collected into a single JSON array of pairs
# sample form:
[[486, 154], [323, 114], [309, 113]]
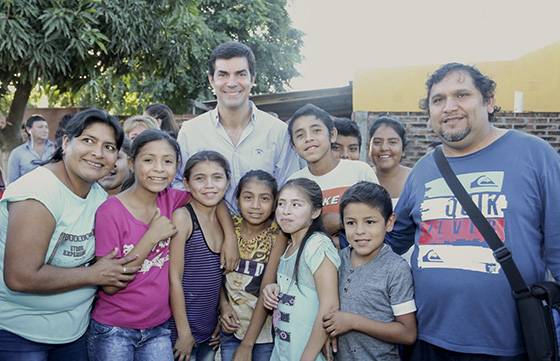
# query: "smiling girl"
[[137, 222], [247, 330], [307, 275], [195, 274]]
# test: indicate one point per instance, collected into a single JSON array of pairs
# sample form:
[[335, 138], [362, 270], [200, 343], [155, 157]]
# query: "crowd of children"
[[314, 280]]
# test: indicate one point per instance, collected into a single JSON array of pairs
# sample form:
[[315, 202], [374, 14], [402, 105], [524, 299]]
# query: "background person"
[[46, 244], [121, 172], [164, 116], [32, 153], [387, 141], [136, 124], [348, 139]]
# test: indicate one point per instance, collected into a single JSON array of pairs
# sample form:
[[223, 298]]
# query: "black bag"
[[535, 304]]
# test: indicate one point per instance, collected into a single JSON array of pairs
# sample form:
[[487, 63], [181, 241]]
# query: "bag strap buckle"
[[502, 254]]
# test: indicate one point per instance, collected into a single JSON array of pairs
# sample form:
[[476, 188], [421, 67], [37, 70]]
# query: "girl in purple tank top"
[[195, 275]]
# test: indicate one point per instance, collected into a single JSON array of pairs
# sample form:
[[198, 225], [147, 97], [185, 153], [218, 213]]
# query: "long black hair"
[[313, 193]]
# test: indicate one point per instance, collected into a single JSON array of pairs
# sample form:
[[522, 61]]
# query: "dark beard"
[[454, 137]]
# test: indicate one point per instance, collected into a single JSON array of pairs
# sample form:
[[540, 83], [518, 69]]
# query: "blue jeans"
[[202, 352], [16, 348], [229, 343], [128, 344]]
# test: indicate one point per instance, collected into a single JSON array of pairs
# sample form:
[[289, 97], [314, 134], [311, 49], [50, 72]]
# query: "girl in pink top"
[[130, 322]]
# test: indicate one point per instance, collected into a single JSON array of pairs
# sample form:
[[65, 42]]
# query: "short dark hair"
[[485, 85], [34, 118], [348, 128], [391, 122], [371, 194], [229, 50], [310, 110]]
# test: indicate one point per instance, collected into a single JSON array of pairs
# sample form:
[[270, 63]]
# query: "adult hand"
[[228, 318], [270, 296], [183, 347], [336, 323], [111, 271]]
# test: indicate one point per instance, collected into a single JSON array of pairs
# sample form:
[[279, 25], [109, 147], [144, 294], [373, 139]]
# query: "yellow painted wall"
[[536, 74]]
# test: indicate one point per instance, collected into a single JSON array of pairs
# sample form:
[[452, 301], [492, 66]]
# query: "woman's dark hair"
[[313, 193], [371, 194], [310, 110], [165, 114], [259, 175], [61, 129], [82, 120], [206, 155], [148, 136], [391, 122]]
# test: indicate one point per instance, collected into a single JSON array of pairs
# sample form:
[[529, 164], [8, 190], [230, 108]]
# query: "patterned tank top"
[[202, 281]]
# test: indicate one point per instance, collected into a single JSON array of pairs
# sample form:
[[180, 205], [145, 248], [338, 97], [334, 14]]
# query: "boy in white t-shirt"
[[312, 131]]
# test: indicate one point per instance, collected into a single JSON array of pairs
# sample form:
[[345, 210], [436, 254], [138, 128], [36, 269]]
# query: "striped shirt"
[[202, 281]]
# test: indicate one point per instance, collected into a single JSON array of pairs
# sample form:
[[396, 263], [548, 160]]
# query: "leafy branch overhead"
[[123, 54]]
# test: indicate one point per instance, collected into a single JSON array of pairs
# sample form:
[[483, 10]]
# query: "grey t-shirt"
[[379, 290]]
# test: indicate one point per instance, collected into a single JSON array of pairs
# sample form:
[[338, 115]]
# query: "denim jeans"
[[202, 352], [229, 343], [16, 348], [128, 344]]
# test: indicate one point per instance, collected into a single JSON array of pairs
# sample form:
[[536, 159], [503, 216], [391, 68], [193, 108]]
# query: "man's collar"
[[216, 115]]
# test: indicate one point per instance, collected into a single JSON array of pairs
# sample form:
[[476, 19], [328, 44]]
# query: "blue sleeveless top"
[[202, 281]]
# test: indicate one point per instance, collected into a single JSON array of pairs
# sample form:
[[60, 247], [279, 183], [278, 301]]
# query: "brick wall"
[[419, 135]]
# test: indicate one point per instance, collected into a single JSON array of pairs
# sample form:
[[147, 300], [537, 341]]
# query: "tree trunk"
[[9, 136]]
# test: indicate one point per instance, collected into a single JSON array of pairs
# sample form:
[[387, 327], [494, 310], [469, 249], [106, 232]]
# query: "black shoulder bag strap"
[[501, 252], [534, 323]]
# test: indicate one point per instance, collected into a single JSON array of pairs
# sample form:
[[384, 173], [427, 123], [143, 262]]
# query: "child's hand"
[[228, 318], [183, 348], [270, 295], [214, 341], [161, 227], [337, 323], [243, 353]]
